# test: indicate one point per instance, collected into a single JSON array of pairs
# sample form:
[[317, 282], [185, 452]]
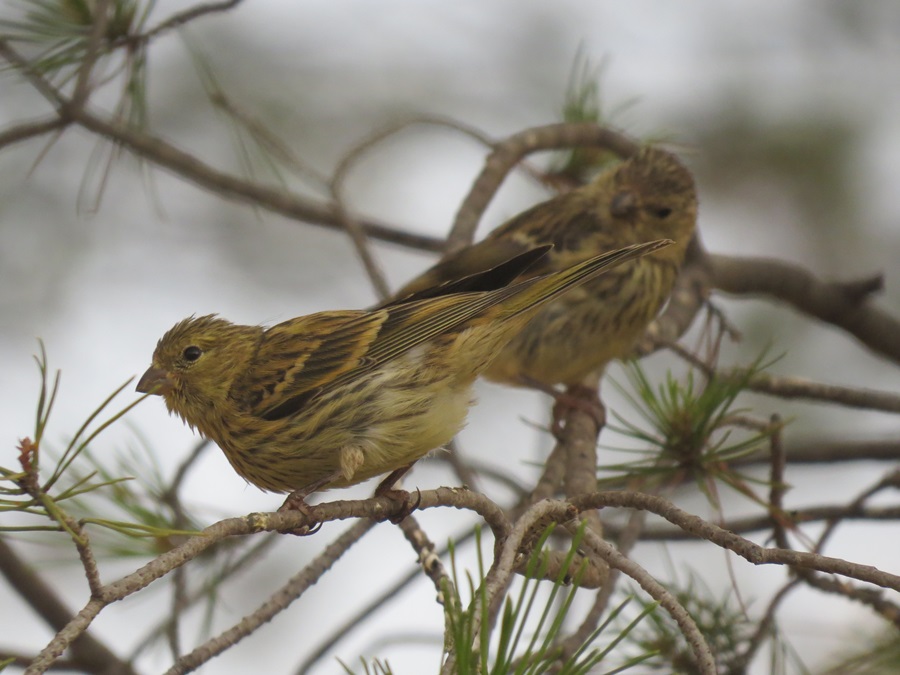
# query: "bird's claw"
[[296, 501], [405, 504], [576, 397]]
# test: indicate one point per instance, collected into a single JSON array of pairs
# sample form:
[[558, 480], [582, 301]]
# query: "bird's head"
[[196, 362], [656, 192]]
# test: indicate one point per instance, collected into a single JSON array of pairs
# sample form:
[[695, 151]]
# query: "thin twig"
[[195, 12], [191, 169], [31, 485], [264, 137], [796, 387], [186, 465], [550, 482], [626, 540], [753, 553], [508, 152], [703, 655], [276, 603], [21, 660], [867, 596], [369, 609], [360, 243], [750, 524], [512, 550], [849, 397], [140, 579], [763, 630], [22, 132], [467, 475], [65, 637], [429, 558], [226, 185], [361, 148], [34, 77], [239, 563], [889, 480], [871, 597], [777, 486], [180, 602], [830, 451], [100, 15]]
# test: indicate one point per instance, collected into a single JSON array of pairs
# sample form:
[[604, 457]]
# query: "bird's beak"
[[155, 381]]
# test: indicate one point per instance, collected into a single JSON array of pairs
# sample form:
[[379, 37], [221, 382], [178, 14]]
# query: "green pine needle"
[[530, 626], [726, 627], [691, 427]]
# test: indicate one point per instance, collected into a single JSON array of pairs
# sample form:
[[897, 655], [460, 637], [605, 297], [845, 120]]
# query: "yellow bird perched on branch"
[[334, 398], [648, 196]]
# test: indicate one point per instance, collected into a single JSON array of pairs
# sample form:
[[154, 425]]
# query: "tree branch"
[[180, 19], [702, 653], [22, 132], [276, 200], [277, 602], [840, 304], [753, 553], [88, 653], [508, 152], [811, 514], [828, 451]]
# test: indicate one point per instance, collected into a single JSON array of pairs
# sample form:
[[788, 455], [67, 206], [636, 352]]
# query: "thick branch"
[[579, 438], [840, 304], [88, 654], [276, 200]]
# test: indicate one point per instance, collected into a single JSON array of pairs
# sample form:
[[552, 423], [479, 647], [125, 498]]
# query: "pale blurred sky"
[[99, 287]]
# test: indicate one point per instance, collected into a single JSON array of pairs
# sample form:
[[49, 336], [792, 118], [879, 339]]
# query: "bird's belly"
[[396, 440], [365, 429], [584, 330], [565, 357]]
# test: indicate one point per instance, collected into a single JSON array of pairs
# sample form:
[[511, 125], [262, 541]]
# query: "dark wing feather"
[[303, 357], [489, 279], [413, 323], [470, 262], [299, 358], [563, 222]]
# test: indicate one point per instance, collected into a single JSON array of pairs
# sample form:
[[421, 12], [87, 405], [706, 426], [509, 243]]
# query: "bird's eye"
[[662, 212], [192, 353]]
